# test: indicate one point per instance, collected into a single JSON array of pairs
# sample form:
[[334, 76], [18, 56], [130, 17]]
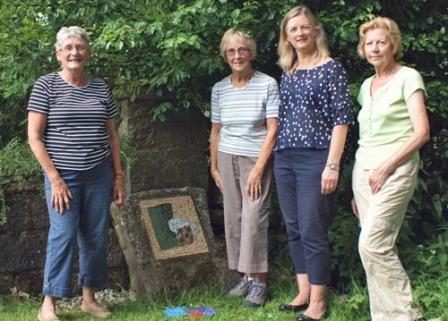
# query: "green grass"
[[152, 310], [433, 295]]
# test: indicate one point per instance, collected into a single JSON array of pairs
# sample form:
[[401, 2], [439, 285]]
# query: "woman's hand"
[[329, 181], [378, 178], [217, 178], [215, 135], [118, 191], [60, 195], [254, 182]]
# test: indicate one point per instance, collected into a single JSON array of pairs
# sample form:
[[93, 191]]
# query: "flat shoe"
[[293, 308], [99, 312], [304, 317], [40, 317]]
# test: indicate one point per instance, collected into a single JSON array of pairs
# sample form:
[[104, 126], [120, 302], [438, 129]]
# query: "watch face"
[[333, 166]]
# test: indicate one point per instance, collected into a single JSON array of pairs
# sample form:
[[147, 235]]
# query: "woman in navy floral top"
[[314, 117]]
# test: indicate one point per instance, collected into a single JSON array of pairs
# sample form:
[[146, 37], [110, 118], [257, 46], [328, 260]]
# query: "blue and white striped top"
[[243, 112], [75, 135]]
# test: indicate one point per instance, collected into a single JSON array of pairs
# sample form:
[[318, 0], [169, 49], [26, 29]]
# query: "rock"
[[157, 264]]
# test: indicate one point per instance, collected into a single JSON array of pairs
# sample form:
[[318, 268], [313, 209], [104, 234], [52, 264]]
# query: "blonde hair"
[[287, 54], [68, 32], [381, 23], [234, 33]]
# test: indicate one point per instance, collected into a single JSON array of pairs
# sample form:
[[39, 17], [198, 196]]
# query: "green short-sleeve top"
[[384, 121]]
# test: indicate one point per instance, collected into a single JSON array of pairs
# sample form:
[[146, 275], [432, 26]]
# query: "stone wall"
[[23, 242], [169, 154]]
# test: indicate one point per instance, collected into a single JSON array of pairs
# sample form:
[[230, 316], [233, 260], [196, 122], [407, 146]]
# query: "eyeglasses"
[[69, 48], [240, 50]]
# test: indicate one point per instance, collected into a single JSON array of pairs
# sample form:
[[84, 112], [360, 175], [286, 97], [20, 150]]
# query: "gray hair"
[[69, 32], [234, 33]]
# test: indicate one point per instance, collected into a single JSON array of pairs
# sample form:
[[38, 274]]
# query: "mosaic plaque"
[[173, 227]]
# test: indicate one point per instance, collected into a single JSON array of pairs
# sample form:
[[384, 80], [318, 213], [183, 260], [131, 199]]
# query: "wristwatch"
[[333, 166]]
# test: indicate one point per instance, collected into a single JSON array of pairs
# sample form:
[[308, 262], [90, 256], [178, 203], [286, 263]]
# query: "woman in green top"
[[393, 125]]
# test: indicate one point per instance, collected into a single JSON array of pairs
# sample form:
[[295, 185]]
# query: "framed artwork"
[[173, 227]]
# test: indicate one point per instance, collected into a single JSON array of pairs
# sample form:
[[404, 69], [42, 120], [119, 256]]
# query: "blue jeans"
[[306, 211], [86, 222]]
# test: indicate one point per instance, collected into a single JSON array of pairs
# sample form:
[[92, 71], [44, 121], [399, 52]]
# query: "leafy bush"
[[18, 165], [427, 266], [171, 49]]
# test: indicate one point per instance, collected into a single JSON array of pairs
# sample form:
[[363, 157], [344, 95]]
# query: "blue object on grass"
[[207, 311], [175, 312]]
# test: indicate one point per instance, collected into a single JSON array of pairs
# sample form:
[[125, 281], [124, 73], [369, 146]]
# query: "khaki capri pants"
[[246, 222]]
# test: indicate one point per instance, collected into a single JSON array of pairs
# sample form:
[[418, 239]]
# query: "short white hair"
[[69, 32]]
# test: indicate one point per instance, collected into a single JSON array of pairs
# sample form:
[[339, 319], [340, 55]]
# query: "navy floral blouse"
[[312, 102]]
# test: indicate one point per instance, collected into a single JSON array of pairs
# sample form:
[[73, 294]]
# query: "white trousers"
[[381, 216]]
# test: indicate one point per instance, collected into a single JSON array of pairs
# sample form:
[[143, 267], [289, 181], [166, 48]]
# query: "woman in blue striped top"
[[72, 133], [244, 126]]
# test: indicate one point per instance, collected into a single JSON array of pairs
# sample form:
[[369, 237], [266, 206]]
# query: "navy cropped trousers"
[[306, 211]]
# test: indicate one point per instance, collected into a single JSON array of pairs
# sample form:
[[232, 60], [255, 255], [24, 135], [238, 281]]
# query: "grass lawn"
[[431, 293], [227, 310], [341, 308]]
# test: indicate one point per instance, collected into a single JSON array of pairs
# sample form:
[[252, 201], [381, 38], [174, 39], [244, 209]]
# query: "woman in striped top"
[[244, 126], [72, 133]]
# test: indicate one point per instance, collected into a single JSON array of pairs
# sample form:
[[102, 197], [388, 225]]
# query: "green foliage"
[[171, 49], [354, 305], [18, 165], [11, 118], [18, 162], [440, 250], [431, 296], [430, 258], [127, 153], [427, 266], [2, 304]]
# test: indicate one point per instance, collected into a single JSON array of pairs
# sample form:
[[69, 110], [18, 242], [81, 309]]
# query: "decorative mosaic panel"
[[173, 227]]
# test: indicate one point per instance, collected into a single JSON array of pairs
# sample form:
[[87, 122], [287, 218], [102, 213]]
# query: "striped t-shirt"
[[75, 135], [242, 112]]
